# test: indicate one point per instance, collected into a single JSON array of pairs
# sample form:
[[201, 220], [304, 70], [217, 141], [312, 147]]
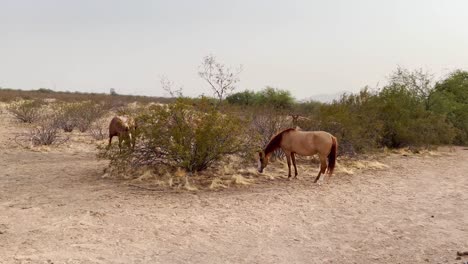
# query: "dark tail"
[[332, 156]]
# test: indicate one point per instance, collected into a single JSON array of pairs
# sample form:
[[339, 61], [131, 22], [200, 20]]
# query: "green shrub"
[[187, 136], [407, 122], [450, 98]]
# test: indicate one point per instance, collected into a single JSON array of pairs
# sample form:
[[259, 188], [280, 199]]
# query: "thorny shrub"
[[28, 111]]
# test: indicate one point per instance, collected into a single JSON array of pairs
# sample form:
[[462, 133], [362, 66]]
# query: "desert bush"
[[394, 116], [89, 112], [99, 130], [26, 111], [354, 120], [407, 122], [267, 122], [79, 115], [45, 133], [186, 136]]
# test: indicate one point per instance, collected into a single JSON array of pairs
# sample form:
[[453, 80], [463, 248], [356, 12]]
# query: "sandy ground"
[[55, 207]]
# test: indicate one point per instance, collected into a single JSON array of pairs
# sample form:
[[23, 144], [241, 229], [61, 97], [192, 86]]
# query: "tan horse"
[[124, 128], [305, 143]]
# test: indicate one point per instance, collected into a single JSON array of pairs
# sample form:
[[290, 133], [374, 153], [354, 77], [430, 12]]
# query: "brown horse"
[[306, 143], [124, 128]]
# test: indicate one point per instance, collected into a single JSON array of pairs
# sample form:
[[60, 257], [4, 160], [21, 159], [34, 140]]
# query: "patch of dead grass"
[[241, 180]]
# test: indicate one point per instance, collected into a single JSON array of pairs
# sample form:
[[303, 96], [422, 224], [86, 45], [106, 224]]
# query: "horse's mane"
[[275, 141]]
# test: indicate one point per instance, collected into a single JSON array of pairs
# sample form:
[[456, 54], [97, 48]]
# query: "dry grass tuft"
[[146, 175], [376, 165], [180, 173], [241, 180], [343, 169], [189, 187], [218, 183], [358, 165]]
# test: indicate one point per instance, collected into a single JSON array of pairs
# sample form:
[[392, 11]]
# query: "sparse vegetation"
[[27, 111], [186, 136], [194, 134], [99, 130], [79, 115], [46, 134]]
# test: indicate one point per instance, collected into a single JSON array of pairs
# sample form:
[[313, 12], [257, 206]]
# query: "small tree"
[[221, 79], [113, 92], [418, 82]]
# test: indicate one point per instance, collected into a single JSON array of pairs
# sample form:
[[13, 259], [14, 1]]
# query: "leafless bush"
[[267, 123], [221, 79], [99, 130], [45, 133], [26, 111]]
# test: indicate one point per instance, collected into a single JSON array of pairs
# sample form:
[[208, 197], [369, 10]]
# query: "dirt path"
[[56, 208]]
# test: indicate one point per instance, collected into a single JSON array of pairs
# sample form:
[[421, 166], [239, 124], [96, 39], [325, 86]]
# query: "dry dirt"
[[55, 207]]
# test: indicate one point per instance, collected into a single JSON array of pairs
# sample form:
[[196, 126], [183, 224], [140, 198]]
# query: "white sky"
[[308, 47]]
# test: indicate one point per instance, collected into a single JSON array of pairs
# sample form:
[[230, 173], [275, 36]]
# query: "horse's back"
[[117, 125], [308, 142]]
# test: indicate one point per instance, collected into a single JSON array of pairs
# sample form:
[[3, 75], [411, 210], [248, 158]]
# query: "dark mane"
[[275, 141]]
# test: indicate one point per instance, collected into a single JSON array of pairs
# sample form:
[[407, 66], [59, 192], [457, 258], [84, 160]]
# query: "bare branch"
[[221, 79], [169, 86]]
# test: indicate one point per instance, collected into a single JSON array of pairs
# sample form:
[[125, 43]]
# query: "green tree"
[[450, 98], [245, 98], [277, 98]]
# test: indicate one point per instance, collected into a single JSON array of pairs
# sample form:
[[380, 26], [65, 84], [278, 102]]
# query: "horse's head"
[[262, 161]]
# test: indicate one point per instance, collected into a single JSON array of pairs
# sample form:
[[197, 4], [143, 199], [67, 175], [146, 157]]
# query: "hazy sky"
[[308, 47]]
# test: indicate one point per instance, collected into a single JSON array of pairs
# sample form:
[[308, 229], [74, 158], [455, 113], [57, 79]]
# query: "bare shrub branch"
[[169, 86], [46, 133]]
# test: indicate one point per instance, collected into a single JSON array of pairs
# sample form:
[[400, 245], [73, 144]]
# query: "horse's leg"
[[288, 158], [120, 143], [133, 140], [110, 141], [323, 167], [293, 158]]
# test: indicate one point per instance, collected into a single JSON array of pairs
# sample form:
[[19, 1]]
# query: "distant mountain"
[[326, 98]]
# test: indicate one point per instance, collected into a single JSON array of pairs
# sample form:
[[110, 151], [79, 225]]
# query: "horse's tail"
[[332, 155]]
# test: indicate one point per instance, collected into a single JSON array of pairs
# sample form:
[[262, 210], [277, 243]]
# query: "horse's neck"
[[269, 150], [274, 144]]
